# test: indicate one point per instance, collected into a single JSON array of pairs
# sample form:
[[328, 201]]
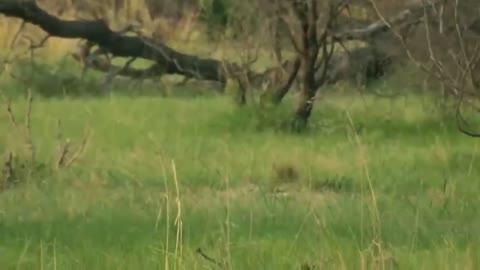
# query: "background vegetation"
[[155, 174]]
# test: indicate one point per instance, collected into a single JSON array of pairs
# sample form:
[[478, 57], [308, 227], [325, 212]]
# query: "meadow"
[[194, 182]]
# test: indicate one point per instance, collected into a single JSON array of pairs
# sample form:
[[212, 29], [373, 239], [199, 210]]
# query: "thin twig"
[[11, 115], [17, 34], [8, 173], [64, 151], [64, 147], [28, 128], [209, 258], [80, 150], [114, 72]]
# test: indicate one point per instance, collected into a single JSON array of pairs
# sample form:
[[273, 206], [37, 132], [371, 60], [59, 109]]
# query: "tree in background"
[[307, 40], [445, 45]]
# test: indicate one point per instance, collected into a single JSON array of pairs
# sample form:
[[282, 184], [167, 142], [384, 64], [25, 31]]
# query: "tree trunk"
[[291, 67], [303, 110], [304, 103]]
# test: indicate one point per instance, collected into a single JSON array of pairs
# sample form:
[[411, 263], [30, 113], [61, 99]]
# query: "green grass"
[[403, 195]]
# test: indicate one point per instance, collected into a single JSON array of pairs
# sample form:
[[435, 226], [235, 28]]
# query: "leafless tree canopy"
[[446, 46]]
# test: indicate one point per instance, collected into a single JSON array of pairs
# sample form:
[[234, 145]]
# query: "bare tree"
[[309, 29], [446, 47]]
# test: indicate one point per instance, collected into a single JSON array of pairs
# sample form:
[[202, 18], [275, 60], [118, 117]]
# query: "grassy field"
[[375, 184]]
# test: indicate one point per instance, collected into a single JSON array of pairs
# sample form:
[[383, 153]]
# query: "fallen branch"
[[82, 55], [98, 32]]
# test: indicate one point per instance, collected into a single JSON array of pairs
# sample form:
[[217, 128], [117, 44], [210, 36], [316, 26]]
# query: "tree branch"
[[405, 17]]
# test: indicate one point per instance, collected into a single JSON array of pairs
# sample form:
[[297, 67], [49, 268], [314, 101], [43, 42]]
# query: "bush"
[[49, 80]]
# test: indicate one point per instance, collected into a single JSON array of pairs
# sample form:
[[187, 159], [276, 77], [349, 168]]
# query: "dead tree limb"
[[98, 32]]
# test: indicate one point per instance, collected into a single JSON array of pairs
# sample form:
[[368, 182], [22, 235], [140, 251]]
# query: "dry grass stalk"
[[8, 175]]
